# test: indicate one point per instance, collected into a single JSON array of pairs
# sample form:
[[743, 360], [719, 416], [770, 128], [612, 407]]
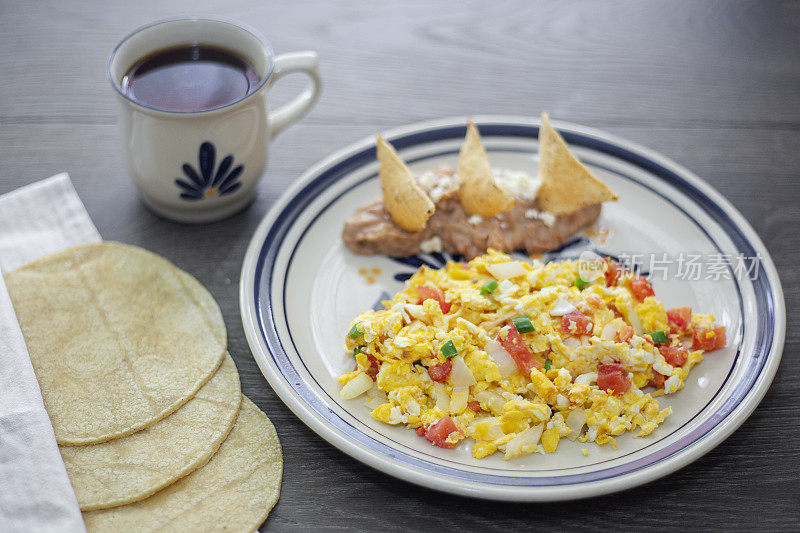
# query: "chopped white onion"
[[492, 399], [575, 422], [609, 332], [672, 384], [458, 399], [441, 397], [460, 374], [524, 443], [586, 379], [505, 363], [633, 318], [562, 307], [511, 269], [356, 387], [572, 342], [471, 327]]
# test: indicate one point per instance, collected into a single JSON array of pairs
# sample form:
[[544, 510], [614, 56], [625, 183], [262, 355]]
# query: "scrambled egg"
[[518, 356]]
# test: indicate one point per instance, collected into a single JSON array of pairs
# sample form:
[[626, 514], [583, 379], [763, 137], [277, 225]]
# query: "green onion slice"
[[580, 283], [523, 324], [659, 337], [359, 349], [489, 287], [548, 364], [448, 349], [355, 332]]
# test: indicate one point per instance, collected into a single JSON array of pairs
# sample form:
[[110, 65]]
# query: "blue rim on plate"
[[258, 282]]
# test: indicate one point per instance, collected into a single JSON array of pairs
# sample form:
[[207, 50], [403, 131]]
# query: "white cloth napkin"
[[35, 492]]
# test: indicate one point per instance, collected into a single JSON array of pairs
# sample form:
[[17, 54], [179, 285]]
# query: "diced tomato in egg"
[[613, 378], [721, 337], [657, 380], [624, 333], [576, 323], [441, 371], [437, 433], [613, 272], [421, 431], [674, 355], [374, 367], [432, 293], [679, 318], [641, 288], [709, 340], [474, 405], [519, 351], [594, 301]]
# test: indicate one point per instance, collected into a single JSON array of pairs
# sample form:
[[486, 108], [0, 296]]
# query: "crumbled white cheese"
[[475, 220], [438, 182], [441, 181], [516, 183], [547, 218], [434, 244]]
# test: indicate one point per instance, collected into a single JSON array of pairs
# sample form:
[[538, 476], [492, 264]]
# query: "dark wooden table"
[[715, 86]]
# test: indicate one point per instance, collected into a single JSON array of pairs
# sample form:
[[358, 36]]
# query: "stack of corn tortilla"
[[131, 356]]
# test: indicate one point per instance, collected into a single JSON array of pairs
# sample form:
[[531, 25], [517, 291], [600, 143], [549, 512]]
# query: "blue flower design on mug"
[[204, 182]]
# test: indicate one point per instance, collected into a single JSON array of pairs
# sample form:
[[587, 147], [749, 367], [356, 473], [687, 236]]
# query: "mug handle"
[[296, 109]]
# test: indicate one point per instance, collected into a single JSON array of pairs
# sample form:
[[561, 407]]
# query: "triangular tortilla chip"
[[479, 193], [405, 201], [567, 185]]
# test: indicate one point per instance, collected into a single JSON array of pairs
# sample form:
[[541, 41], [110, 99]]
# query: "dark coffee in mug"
[[190, 79]]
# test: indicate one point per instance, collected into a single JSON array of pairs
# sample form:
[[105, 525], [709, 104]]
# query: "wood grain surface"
[[713, 85]]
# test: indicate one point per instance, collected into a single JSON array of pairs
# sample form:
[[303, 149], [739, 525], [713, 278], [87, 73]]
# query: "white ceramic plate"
[[300, 288]]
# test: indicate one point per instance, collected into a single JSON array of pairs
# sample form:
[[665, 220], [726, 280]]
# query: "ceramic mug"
[[201, 166]]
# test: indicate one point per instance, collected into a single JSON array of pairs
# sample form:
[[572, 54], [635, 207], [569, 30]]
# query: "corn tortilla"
[[479, 193], [119, 338], [567, 185], [407, 204], [234, 491], [129, 469]]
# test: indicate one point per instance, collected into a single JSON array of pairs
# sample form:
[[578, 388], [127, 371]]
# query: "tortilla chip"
[[567, 185], [405, 201], [479, 193], [129, 469], [234, 491], [119, 338]]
